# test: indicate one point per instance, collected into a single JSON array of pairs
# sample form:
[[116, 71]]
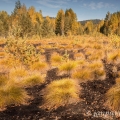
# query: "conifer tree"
[[4, 23], [59, 23], [47, 28]]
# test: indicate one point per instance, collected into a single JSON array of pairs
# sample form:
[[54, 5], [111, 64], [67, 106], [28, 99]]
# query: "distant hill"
[[95, 21]]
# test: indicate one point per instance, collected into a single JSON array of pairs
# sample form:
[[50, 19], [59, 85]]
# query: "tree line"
[[27, 22]]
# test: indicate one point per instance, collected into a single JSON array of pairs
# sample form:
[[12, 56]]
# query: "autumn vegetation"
[[31, 44]]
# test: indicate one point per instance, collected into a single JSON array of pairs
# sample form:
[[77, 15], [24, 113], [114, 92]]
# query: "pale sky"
[[85, 9]]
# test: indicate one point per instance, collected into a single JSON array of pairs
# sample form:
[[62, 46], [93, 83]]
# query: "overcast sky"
[[85, 9]]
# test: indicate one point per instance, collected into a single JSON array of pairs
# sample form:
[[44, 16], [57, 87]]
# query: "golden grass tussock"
[[9, 62], [60, 93], [3, 79], [38, 66], [114, 57], [95, 65], [97, 46], [96, 55], [113, 98], [12, 93], [117, 80], [4, 75], [97, 70], [33, 79], [82, 75], [79, 56], [18, 73], [56, 59], [118, 73], [68, 66], [99, 74]]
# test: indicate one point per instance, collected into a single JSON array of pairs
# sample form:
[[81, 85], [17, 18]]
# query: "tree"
[[70, 21], [47, 27], [80, 29], [25, 25], [4, 23], [17, 7], [59, 22], [89, 27], [106, 29]]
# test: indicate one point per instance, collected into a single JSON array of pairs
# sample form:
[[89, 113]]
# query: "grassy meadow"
[[24, 64]]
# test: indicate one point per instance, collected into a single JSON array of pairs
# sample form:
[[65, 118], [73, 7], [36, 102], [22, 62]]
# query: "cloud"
[[98, 5], [54, 3]]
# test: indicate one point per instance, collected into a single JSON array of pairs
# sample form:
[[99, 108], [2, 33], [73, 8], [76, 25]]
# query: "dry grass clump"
[[3, 79], [117, 81], [68, 66], [12, 93], [97, 46], [33, 79], [79, 56], [38, 66], [9, 62], [114, 57], [113, 98], [97, 70], [18, 73], [82, 75], [56, 59], [4, 74], [60, 93], [96, 55]]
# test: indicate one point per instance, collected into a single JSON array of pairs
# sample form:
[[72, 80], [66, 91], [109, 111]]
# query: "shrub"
[[113, 98], [60, 93], [20, 50]]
